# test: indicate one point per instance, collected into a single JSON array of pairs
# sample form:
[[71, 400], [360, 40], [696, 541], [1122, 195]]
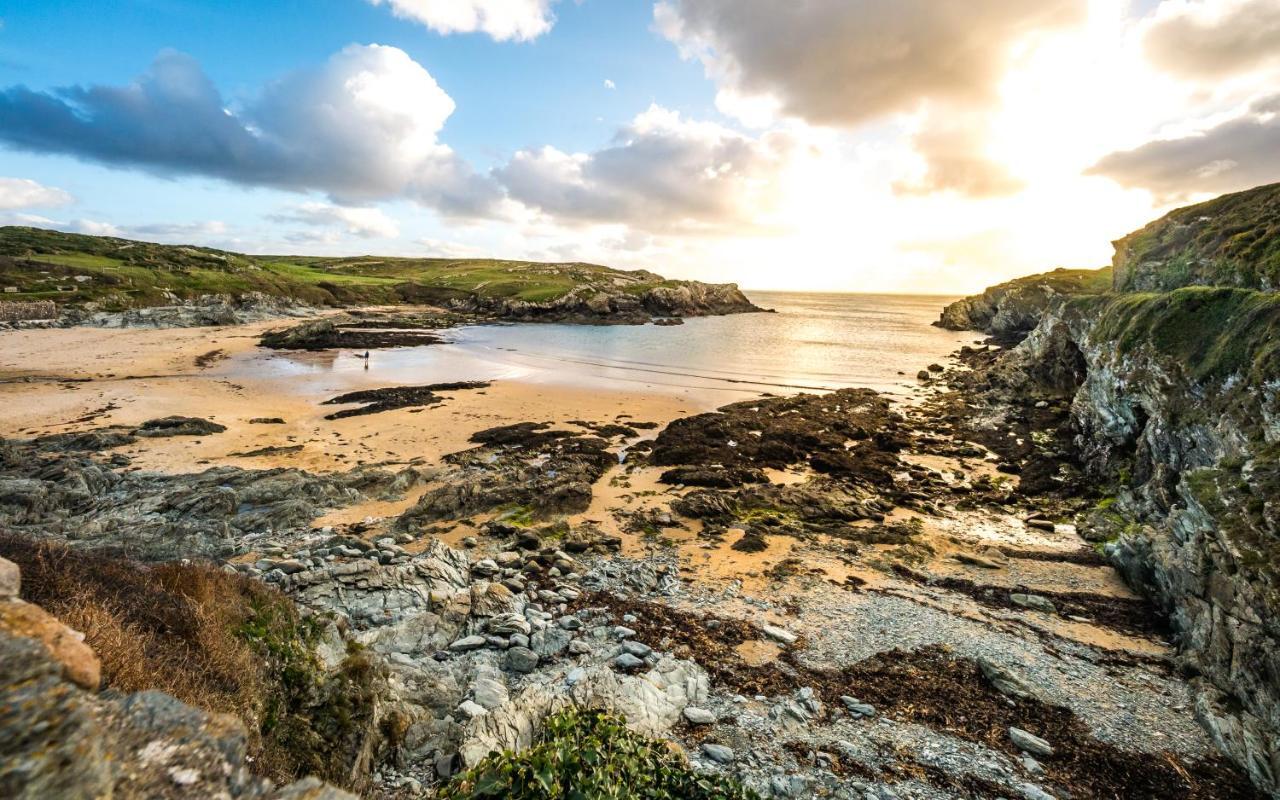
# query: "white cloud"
[[1209, 40], [661, 172], [503, 20], [835, 62], [367, 223], [1239, 153], [608, 84], [24, 193], [363, 126]]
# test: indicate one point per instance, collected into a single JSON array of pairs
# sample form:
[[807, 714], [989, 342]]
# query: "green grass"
[[128, 274], [1233, 240], [1212, 332]]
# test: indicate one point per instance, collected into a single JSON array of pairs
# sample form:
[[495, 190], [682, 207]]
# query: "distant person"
[[366, 359]]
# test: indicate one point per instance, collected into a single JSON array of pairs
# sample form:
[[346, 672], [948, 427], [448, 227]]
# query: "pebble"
[[718, 753], [623, 632], [1034, 602], [779, 634], [699, 716], [575, 675], [579, 648], [858, 708], [1030, 742]]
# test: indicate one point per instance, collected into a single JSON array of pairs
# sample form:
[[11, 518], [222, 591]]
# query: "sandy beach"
[[74, 379]]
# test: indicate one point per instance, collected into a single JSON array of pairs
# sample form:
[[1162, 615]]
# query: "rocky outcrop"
[[60, 738], [1176, 409], [204, 311], [61, 487], [626, 305], [1012, 310]]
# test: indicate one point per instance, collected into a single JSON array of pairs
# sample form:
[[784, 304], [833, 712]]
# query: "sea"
[[810, 342]]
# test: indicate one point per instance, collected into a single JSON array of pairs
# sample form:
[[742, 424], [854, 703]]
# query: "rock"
[[507, 624], [571, 623], [1004, 680], [550, 642], [1030, 791], [1030, 743], [80, 664], [579, 648], [637, 649], [977, 560], [521, 660], [1033, 601], [467, 643], [471, 710], [485, 568], [857, 708], [699, 716], [10, 580], [489, 692], [781, 635], [627, 662], [718, 753]]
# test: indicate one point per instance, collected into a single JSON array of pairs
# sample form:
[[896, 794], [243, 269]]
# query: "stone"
[[1030, 791], [718, 753], [623, 632], [1034, 602], [781, 635], [10, 580], [468, 643], [579, 648], [858, 708], [1004, 680], [484, 568], [698, 716], [626, 661], [80, 664], [550, 642], [521, 659], [571, 623], [637, 649], [470, 710], [1030, 743]]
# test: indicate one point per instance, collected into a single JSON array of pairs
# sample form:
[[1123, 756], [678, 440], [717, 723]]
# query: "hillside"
[[110, 275], [1170, 378], [1233, 240], [1014, 308]]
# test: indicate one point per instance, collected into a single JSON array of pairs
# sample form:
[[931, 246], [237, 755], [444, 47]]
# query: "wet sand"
[[56, 381]]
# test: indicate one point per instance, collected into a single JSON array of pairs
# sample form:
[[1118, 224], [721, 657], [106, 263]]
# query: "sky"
[[927, 146]]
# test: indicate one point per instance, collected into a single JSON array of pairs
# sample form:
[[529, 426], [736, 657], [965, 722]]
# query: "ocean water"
[[813, 341]]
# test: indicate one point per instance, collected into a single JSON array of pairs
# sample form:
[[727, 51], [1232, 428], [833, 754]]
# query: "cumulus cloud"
[[520, 20], [608, 84], [661, 172], [180, 231], [367, 223], [361, 127], [1213, 39], [1236, 154], [25, 193], [835, 62]]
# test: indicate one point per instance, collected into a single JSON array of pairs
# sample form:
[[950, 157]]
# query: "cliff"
[[1175, 407], [1011, 310]]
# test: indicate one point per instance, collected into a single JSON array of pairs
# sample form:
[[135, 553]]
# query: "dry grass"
[[214, 640]]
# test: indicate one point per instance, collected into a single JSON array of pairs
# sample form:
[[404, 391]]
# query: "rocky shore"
[[1049, 575]]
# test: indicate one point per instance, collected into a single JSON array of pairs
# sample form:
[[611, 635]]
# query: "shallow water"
[[813, 341]]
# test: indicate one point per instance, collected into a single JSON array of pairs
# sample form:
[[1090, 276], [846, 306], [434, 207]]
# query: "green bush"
[[590, 755]]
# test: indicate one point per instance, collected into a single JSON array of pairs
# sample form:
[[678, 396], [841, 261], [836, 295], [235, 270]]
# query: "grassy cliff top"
[[120, 273], [1233, 240]]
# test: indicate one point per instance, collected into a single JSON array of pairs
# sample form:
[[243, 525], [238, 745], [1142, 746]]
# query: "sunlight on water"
[[813, 341]]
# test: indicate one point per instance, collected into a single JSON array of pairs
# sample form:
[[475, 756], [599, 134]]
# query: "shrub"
[[591, 755]]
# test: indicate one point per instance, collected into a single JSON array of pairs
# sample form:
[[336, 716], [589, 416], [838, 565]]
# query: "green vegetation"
[[1213, 332], [119, 274], [1233, 240], [590, 755]]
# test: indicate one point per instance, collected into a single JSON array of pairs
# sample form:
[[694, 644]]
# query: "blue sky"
[[922, 144]]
